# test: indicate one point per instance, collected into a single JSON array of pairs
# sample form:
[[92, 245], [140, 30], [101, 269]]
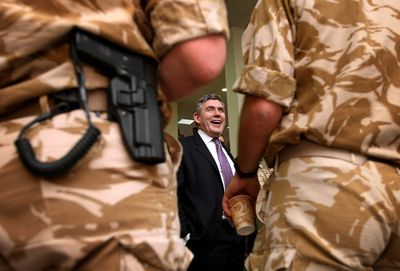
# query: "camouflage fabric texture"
[[334, 67], [34, 56], [109, 212], [325, 214]]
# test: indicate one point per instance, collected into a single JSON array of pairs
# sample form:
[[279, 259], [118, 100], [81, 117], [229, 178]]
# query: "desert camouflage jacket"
[[333, 66], [34, 58]]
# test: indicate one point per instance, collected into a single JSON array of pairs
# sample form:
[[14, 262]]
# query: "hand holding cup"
[[242, 214]]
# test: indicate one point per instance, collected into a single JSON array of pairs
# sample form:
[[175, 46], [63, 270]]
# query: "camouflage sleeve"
[[175, 21], [268, 53]]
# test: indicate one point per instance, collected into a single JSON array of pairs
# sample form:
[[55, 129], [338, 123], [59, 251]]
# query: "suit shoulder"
[[187, 140]]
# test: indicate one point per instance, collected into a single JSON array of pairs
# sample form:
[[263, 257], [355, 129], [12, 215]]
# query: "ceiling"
[[238, 15]]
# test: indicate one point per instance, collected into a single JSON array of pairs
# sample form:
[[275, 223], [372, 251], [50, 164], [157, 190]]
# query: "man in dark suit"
[[211, 237]]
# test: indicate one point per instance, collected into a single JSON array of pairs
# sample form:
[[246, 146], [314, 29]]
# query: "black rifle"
[[132, 97]]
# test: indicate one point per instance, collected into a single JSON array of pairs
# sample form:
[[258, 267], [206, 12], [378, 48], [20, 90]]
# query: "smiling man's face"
[[211, 119]]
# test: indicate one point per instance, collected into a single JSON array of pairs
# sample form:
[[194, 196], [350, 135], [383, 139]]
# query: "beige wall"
[[233, 67], [172, 127]]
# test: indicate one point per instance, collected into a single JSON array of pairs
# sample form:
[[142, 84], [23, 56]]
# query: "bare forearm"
[[191, 65], [258, 119]]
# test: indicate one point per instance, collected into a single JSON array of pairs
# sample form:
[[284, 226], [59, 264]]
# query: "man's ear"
[[196, 118]]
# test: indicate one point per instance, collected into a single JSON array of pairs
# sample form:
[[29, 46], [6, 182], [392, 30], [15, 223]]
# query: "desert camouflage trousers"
[[325, 214], [109, 212]]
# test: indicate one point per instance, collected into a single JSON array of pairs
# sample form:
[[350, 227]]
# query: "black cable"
[[80, 77], [62, 165]]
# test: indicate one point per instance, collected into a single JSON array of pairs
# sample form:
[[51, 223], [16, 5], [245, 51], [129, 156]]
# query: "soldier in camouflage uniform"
[[108, 212], [322, 106]]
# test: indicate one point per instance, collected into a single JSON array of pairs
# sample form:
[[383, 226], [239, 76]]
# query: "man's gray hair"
[[205, 98]]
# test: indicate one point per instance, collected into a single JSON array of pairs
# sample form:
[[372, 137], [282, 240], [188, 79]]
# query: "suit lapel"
[[203, 150]]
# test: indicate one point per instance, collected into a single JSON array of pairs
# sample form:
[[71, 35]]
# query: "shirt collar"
[[206, 138]]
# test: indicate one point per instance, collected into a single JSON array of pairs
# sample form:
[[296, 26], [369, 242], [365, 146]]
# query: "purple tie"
[[223, 162]]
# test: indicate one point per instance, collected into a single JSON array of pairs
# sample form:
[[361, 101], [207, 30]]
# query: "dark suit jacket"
[[200, 190]]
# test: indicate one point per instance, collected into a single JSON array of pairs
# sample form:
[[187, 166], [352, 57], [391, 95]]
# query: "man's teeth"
[[216, 121]]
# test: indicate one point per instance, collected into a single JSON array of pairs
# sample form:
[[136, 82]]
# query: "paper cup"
[[242, 214]]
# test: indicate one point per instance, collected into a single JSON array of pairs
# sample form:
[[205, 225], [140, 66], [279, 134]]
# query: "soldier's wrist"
[[245, 174]]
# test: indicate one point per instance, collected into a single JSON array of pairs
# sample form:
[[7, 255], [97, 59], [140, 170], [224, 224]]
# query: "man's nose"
[[219, 113]]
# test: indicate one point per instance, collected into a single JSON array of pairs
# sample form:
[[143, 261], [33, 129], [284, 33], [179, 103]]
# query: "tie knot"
[[217, 141]]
